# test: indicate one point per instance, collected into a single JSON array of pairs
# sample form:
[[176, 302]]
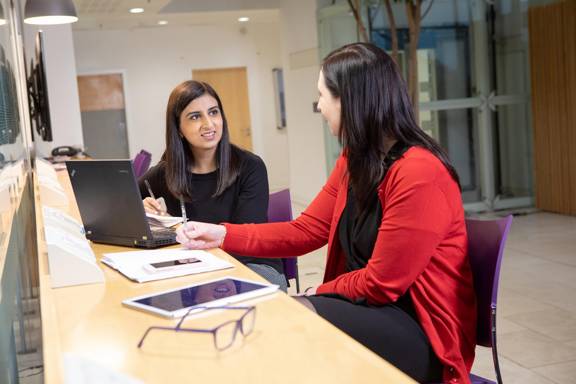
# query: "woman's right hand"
[[153, 206], [197, 235]]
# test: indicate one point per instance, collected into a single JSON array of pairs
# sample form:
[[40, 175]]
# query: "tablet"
[[223, 291]]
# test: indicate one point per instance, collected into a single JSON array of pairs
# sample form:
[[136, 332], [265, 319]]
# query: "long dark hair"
[[179, 157], [375, 108]]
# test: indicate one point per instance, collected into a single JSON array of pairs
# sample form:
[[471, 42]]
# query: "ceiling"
[[114, 14]]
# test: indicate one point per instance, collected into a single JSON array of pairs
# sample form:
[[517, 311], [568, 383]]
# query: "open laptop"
[[111, 206]]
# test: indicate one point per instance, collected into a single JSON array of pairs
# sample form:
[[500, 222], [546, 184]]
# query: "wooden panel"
[[231, 84], [101, 92], [569, 24], [553, 91]]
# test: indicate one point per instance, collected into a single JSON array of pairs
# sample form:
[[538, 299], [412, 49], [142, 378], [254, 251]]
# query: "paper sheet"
[[133, 264]]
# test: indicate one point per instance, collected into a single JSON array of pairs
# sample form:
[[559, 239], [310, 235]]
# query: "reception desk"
[[88, 325]]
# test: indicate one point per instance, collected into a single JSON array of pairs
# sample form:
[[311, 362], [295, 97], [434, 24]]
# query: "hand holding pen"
[[152, 204]]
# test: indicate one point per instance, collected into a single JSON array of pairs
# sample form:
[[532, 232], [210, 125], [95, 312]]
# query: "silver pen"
[[149, 189], [183, 209]]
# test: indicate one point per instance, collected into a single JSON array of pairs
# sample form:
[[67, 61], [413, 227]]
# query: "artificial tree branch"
[[359, 21], [393, 30]]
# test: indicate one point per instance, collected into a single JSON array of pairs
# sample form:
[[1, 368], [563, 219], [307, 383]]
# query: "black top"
[[358, 232], [245, 201]]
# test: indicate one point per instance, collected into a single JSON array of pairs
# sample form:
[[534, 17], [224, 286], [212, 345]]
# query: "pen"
[[149, 189], [183, 209]]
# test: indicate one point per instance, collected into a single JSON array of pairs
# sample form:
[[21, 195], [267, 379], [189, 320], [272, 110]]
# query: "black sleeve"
[[252, 203]]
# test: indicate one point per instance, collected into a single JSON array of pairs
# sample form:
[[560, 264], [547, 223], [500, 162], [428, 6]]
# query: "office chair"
[[280, 209], [486, 240], [141, 163]]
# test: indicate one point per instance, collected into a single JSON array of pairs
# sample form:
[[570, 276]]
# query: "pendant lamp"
[[47, 12]]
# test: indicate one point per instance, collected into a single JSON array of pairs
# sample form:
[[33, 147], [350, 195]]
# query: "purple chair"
[[141, 163], [486, 240], [280, 209]]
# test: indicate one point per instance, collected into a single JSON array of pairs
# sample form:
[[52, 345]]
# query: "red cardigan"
[[421, 245]]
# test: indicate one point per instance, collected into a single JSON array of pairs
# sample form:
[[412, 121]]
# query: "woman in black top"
[[201, 170]]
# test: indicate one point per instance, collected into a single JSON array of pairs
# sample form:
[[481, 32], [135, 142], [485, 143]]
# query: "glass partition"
[[20, 341], [473, 87]]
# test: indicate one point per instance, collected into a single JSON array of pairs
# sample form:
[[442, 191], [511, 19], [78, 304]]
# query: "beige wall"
[[300, 61], [62, 88]]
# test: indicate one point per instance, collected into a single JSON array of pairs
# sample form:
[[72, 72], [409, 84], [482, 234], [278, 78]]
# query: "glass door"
[[473, 81]]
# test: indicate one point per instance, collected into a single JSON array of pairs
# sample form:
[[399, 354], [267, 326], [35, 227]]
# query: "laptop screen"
[[109, 200]]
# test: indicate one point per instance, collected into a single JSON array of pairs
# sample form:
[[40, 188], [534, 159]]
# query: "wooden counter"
[[290, 344]]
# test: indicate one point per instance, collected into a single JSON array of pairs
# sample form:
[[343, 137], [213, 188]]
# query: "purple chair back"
[[486, 240], [280, 209], [141, 163]]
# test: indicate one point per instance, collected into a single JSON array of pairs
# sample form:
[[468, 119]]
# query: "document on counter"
[[149, 265], [79, 370]]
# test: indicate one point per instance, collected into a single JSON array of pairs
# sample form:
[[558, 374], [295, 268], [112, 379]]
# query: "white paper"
[[163, 220], [78, 370], [69, 243], [132, 264]]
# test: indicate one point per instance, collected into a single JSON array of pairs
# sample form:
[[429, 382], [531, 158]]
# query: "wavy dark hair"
[[375, 108], [179, 157]]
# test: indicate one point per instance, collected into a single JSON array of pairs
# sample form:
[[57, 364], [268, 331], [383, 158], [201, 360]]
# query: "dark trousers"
[[386, 330]]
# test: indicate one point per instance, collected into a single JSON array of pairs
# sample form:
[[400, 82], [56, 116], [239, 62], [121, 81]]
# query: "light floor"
[[536, 305]]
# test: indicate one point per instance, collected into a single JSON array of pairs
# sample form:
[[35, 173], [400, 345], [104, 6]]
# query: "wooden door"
[[231, 84], [103, 115]]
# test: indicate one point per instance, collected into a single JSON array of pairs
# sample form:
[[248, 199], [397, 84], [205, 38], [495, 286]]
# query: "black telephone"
[[65, 150]]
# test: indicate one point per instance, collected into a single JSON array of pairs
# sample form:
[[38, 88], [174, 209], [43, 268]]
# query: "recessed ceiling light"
[[162, 22], [136, 10], [243, 19]]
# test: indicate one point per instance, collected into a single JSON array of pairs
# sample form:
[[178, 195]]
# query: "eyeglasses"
[[224, 334]]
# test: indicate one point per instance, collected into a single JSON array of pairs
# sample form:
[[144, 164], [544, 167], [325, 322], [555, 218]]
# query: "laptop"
[[111, 206]]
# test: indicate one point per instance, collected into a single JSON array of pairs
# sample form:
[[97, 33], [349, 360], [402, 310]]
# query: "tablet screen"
[[199, 294]]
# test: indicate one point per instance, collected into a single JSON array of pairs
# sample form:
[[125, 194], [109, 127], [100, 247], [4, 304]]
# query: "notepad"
[[163, 220], [134, 264]]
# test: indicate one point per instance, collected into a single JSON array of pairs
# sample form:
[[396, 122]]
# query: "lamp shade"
[[46, 12]]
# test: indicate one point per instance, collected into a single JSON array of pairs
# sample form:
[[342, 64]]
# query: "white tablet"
[[223, 291]]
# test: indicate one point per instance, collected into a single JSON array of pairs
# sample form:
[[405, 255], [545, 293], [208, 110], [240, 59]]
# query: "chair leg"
[[495, 349], [297, 282]]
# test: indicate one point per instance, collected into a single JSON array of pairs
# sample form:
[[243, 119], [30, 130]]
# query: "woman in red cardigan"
[[397, 275]]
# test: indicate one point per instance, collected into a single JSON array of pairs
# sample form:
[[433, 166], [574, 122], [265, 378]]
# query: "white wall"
[[62, 85], [301, 68], [154, 60]]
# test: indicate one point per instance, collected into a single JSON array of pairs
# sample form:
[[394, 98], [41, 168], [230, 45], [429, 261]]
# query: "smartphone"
[[164, 265]]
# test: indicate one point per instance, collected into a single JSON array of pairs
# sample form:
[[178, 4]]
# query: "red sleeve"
[[416, 218], [305, 234]]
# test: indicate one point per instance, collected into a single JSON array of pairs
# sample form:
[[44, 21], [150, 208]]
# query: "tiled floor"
[[536, 305]]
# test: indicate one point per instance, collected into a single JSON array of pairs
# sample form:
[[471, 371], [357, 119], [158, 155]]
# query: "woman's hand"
[[154, 206], [310, 291], [197, 235]]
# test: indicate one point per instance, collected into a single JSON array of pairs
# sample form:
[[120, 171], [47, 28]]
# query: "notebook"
[[111, 206]]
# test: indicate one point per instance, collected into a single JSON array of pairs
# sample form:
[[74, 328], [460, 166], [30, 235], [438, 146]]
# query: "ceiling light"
[[162, 22], [136, 10], [243, 19], [42, 12]]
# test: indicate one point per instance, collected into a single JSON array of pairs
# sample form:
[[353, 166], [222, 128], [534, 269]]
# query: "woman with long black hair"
[[204, 176], [397, 276]]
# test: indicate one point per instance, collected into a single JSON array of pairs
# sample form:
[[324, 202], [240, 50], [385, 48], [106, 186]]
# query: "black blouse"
[[357, 231]]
